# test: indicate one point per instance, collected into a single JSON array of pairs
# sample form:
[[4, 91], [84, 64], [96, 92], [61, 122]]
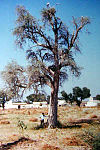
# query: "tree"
[[80, 94], [14, 78], [67, 97], [50, 47], [36, 97], [97, 97], [19, 79], [86, 92], [71, 98], [4, 96]]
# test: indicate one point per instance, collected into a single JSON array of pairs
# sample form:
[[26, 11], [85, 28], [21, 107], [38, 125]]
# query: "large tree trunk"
[[55, 85], [52, 120]]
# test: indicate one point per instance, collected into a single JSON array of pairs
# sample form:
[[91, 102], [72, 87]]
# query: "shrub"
[[96, 142], [21, 125], [92, 139]]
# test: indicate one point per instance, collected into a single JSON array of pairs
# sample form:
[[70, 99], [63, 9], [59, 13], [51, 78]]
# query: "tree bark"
[[52, 120]]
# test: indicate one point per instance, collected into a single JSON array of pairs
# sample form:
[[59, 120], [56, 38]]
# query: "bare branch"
[[79, 24]]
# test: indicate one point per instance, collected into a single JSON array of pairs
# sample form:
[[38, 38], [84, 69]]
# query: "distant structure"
[[19, 105], [92, 102]]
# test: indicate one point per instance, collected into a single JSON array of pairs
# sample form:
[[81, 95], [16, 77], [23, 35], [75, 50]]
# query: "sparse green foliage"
[[78, 95], [93, 139], [98, 97], [65, 96], [96, 142], [86, 93], [21, 125], [71, 98], [77, 92], [4, 96], [36, 97], [68, 97]]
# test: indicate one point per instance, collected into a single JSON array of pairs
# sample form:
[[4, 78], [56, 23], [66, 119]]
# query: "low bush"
[[96, 142], [93, 139], [21, 125]]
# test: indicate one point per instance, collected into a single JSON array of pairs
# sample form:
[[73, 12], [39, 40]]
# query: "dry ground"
[[75, 122]]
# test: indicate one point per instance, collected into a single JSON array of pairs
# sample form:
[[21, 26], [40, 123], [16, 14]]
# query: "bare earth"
[[67, 137]]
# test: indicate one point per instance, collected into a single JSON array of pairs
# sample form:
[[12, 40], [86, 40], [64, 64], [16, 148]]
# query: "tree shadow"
[[9, 145], [59, 125], [41, 126], [70, 126], [78, 123]]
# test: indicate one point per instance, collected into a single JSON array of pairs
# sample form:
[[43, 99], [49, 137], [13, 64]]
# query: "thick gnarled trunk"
[[52, 120]]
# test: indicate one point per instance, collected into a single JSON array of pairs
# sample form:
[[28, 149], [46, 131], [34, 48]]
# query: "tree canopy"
[[46, 46], [36, 97], [81, 94], [4, 96], [77, 96], [51, 47], [14, 78], [98, 97]]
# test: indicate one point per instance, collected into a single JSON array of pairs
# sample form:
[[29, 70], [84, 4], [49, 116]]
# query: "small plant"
[[92, 139], [21, 125], [96, 142]]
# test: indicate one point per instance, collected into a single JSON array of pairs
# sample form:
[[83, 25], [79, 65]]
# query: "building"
[[16, 105], [11, 104], [92, 102]]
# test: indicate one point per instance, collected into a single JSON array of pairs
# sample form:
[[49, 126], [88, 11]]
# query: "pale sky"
[[90, 57]]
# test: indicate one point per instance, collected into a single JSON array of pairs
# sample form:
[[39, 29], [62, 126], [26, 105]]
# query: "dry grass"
[[73, 141], [33, 119], [93, 116], [49, 147], [4, 122], [47, 139]]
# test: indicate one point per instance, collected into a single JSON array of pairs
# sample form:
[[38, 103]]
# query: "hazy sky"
[[90, 57]]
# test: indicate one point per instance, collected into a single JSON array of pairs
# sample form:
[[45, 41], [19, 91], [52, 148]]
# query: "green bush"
[[92, 138], [21, 125], [96, 142]]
